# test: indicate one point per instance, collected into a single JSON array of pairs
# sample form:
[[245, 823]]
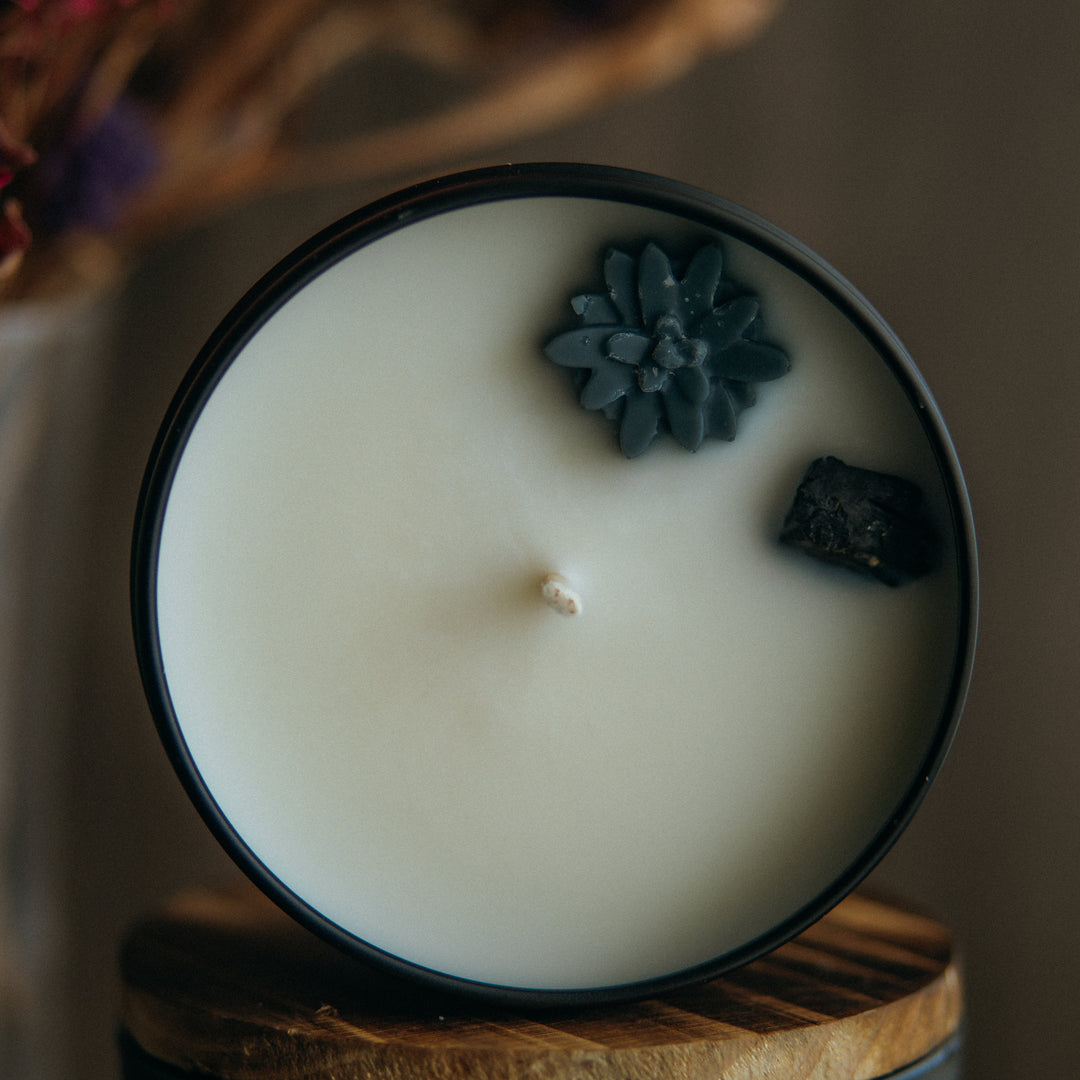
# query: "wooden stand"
[[223, 985]]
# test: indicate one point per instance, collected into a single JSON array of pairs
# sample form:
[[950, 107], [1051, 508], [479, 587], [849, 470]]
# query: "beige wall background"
[[931, 153]]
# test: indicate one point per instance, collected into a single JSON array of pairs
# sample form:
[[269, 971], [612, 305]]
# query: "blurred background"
[[928, 151]]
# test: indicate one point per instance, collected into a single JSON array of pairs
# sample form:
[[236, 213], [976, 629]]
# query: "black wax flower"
[[663, 352]]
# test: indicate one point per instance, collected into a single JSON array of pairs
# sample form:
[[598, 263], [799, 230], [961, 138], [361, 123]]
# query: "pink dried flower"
[[51, 20], [14, 155], [74, 9], [15, 237]]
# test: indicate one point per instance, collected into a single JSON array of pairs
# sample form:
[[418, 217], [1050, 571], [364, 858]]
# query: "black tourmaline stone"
[[868, 521]]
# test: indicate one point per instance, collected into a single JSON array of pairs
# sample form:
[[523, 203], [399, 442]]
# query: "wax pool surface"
[[406, 735]]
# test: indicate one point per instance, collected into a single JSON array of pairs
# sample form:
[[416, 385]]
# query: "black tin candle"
[[555, 583]]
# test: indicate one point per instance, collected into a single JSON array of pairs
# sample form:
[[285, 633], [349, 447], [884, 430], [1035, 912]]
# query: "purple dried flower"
[[88, 182]]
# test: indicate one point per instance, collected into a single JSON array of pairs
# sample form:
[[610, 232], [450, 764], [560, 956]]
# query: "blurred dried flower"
[[127, 117]]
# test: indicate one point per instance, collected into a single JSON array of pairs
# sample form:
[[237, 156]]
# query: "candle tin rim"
[[457, 191]]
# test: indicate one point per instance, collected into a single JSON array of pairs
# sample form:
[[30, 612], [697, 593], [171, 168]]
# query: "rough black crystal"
[[868, 521]]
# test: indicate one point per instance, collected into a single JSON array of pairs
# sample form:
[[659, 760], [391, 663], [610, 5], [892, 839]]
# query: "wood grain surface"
[[224, 984]]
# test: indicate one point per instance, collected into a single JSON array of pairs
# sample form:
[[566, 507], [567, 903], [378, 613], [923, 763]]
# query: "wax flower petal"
[[701, 282], [724, 325], [595, 308], [629, 346], [582, 348], [722, 415], [620, 274], [640, 422], [752, 362], [685, 417], [609, 380], [693, 384], [658, 289], [652, 377]]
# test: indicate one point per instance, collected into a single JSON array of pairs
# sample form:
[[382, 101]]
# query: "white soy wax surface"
[[381, 703]]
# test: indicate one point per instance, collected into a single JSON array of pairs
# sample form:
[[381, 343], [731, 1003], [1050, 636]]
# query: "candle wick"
[[557, 594]]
